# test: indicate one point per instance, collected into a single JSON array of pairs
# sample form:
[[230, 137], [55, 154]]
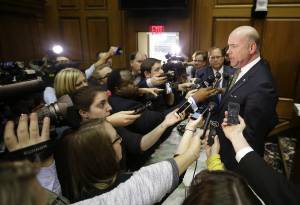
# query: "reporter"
[[95, 173], [271, 186], [92, 103]]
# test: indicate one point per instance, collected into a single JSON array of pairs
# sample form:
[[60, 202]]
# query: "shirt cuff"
[[193, 104], [241, 153], [148, 82]]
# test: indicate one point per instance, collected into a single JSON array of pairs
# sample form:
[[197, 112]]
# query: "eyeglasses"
[[118, 139], [215, 57]]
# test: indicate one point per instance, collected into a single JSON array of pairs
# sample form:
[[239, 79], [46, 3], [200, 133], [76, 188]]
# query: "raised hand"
[[122, 118]]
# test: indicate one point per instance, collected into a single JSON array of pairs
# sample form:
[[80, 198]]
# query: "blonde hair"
[[65, 81]]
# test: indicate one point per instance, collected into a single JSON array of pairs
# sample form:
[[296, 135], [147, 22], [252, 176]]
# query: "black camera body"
[[15, 71]]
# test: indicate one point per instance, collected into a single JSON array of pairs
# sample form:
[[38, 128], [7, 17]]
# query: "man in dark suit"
[[252, 87], [216, 65], [272, 187]]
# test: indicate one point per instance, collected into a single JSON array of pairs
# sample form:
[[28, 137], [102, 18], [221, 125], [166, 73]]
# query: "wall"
[[85, 27], [22, 29], [279, 32]]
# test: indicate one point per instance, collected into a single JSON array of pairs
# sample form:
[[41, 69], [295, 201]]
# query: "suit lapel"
[[240, 83]]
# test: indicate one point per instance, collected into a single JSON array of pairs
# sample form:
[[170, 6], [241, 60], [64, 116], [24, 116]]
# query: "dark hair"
[[200, 52], [114, 80], [220, 187], [89, 157], [82, 99], [215, 48], [147, 65]]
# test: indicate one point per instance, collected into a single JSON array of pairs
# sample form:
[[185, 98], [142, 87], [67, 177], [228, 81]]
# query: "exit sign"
[[156, 28]]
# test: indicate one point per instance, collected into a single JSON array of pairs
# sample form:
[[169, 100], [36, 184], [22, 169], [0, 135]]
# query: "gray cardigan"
[[147, 186]]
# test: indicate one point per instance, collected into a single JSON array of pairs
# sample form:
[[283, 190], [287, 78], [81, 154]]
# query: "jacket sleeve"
[[147, 186], [272, 187]]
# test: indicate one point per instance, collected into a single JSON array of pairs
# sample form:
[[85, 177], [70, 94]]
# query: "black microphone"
[[211, 107], [204, 84]]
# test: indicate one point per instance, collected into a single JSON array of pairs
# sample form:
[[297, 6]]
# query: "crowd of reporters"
[[108, 130]]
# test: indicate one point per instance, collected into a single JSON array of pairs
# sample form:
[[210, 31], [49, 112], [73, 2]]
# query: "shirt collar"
[[247, 67], [220, 70]]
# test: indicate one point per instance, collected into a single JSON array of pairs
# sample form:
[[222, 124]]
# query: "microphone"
[[206, 83], [210, 109]]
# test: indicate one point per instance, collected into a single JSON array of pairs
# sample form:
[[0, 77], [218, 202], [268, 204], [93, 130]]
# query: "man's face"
[[156, 70], [104, 73], [216, 60], [100, 108], [127, 88], [136, 63], [238, 50], [199, 61]]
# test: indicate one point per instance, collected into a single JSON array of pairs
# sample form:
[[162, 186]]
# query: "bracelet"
[[189, 130]]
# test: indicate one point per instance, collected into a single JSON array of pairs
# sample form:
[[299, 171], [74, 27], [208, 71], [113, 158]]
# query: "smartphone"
[[141, 108], [233, 113], [195, 115], [211, 135], [183, 107]]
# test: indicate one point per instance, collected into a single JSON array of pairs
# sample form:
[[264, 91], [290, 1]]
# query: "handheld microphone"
[[211, 107], [204, 84]]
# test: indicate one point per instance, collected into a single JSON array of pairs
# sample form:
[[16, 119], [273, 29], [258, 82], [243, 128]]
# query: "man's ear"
[[252, 48], [83, 114], [147, 74]]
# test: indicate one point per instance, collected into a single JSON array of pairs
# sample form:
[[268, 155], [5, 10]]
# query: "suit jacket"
[[207, 71], [256, 94], [272, 187]]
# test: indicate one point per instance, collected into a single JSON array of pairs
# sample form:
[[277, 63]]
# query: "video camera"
[[15, 71], [174, 68]]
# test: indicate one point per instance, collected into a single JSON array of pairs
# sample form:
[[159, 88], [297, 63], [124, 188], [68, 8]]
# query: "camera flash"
[[57, 49]]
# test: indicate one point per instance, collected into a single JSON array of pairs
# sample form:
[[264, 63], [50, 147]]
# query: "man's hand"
[[204, 93], [153, 91], [122, 118], [156, 81], [233, 131], [26, 136], [184, 86]]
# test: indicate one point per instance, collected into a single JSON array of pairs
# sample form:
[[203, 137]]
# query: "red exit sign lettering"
[[156, 28]]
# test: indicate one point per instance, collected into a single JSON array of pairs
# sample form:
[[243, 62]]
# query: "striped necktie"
[[235, 76]]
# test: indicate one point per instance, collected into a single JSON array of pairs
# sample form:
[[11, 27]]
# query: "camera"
[[176, 66], [55, 111], [15, 71]]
